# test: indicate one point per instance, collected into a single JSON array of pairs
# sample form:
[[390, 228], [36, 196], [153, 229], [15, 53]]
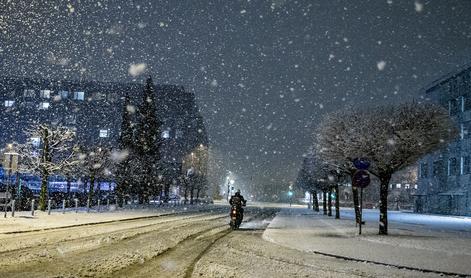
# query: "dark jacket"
[[237, 200]]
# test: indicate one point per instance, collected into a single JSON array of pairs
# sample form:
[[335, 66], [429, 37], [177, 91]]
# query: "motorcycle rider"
[[238, 200]]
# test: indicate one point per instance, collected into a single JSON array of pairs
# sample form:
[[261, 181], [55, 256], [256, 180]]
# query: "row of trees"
[[135, 166], [390, 137]]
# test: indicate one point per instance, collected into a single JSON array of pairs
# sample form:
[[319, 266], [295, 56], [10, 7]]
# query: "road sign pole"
[[361, 209]]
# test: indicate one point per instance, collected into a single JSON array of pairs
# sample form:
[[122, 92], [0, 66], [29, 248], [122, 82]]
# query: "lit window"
[[398, 185], [407, 186], [35, 141], [104, 133], [64, 94], [29, 93], [79, 95], [44, 105], [45, 93], [166, 134], [99, 96], [9, 103]]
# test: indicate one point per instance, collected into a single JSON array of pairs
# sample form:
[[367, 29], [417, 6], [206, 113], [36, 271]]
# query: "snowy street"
[[193, 243]]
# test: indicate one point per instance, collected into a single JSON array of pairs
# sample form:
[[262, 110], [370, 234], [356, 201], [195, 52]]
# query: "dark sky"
[[263, 71]]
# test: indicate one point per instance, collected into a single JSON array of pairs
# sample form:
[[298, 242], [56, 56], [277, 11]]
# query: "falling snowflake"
[[381, 65], [136, 69], [419, 7]]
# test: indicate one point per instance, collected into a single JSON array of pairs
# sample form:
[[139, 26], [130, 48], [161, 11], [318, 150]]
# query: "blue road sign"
[[361, 163]]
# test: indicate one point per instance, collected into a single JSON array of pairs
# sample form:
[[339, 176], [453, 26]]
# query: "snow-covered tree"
[[123, 156], [332, 144], [53, 153], [305, 180], [147, 145], [195, 168], [95, 164], [391, 137]]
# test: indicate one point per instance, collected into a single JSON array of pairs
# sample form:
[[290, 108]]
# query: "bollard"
[[63, 206], [116, 202], [88, 205], [108, 203], [99, 202], [32, 207], [13, 208], [76, 205], [48, 207]]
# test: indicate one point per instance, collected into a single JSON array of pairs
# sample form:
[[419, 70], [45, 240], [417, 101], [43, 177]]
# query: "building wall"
[[94, 111], [444, 177]]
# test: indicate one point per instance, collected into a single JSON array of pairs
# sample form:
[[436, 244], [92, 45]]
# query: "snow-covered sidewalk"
[[24, 221], [408, 244]]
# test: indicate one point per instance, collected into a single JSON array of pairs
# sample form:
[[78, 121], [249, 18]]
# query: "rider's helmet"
[[238, 191]]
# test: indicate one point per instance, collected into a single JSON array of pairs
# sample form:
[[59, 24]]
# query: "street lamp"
[[290, 194], [10, 163], [229, 183]]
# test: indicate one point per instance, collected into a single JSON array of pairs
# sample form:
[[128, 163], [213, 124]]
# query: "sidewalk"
[[23, 221], [408, 245]]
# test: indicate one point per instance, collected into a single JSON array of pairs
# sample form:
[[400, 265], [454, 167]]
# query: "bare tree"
[[95, 163], [332, 144], [391, 137], [195, 168], [49, 150]]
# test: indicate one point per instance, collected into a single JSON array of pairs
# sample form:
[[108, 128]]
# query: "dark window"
[[452, 167], [454, 106], [466, 130], [467, 102], [466, 165], [423, 170], [437, 168]]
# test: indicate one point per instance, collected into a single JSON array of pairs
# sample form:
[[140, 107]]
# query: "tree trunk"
[[98, 189], [198, 191], [46, 157], [356, 204], [69, 182], [167, 192], [315, 202], [383, 204], [192, 192], [90, 189], [329, 202], [337, 202], [324, 201], [186, 193], [43, 193]]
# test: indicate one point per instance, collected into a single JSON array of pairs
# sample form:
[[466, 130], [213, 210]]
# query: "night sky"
[[264, 72]]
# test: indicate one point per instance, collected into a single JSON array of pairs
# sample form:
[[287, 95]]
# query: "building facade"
[[93, 110], [444, 177]]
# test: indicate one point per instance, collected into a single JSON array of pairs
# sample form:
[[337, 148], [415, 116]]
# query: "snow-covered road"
[[191, 244]]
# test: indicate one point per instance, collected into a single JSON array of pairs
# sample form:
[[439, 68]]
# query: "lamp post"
[[229, 183], [11, 165], [290, 195]]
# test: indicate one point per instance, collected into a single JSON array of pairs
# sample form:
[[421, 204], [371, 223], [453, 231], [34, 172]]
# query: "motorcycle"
[[236, 217]]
